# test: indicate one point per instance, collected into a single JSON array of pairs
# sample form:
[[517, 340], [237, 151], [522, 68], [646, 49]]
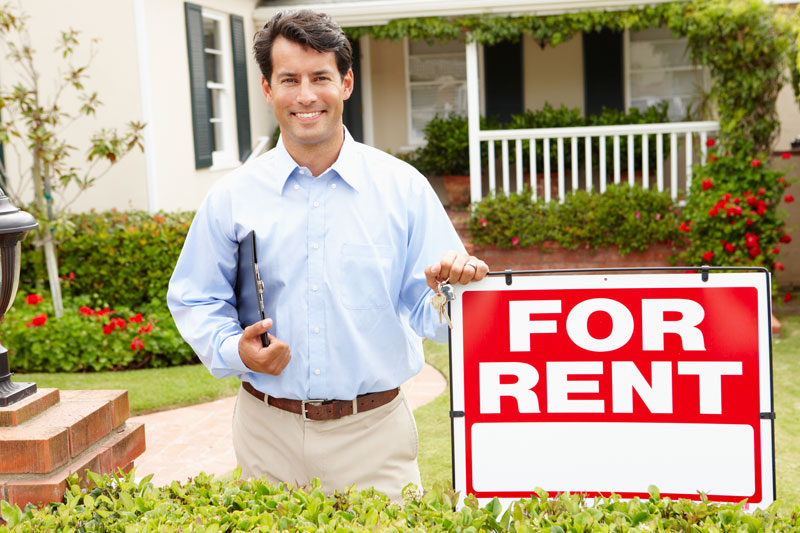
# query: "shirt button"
[[296, 187], [316, 371], [316, 330], [315, 246], [315, 288], [333, 185], [302, 171], [316, 204]]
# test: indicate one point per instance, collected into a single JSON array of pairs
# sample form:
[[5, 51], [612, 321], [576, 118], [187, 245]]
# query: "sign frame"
[[494, 281]]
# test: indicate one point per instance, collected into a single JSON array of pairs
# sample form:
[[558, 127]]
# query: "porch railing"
[[562, 160]]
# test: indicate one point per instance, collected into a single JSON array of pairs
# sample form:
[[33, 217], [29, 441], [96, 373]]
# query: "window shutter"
[[240, 87], [201, 106]]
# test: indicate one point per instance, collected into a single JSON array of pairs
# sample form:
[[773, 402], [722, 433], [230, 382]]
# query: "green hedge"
[[629, 217], [115, 258], [209, 505]]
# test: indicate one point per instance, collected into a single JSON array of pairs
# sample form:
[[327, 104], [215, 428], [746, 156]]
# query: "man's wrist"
[[229, 352]]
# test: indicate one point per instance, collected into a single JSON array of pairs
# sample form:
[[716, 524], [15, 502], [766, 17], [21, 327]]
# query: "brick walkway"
[[184, 442]]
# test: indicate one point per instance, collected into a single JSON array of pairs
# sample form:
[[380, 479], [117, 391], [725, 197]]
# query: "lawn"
[[159, 389]]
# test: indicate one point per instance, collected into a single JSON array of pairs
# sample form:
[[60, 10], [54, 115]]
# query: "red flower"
[[707, 184], [776, 250], [755, 162], [514, 241], [708, 256], [762, 208], [786, 155], [484, 222], [734, 211], [101, 312], [755, 251], [786, 238], [713, 211], [71, 275], [138, 318], [778, 266], [34, 299], [86, 311], [118, 322], [749, 222], [787, 297], [788, 198], [736, 200], [146, 329], [762, 191], [39, 320], [712, 158], [751, 239], [730, 248], [684, 227], [752, 201], [710, 142], [108, 328], [137, 344]]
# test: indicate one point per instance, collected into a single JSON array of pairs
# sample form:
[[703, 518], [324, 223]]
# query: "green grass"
[[786, 383], [149, 390], [433, 424]]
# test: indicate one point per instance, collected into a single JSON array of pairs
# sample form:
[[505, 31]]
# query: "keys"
[[444, 293]]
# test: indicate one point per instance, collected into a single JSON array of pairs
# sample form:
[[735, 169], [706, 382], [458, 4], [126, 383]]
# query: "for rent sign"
[[610, 383]]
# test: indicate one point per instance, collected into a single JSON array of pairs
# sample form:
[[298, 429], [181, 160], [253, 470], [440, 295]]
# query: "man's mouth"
[[309, 114]]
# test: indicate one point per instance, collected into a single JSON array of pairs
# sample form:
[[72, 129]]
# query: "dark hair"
[[307, 28]]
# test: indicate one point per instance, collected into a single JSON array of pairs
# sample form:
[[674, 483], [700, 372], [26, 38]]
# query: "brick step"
[[62, 432], [24, 410], [117, 450]]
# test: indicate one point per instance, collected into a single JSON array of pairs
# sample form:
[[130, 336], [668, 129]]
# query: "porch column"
[[473, 117]]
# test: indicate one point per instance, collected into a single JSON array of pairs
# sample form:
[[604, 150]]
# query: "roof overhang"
[[377, 12]]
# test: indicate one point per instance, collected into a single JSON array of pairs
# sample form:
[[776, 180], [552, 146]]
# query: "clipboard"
[[249, 287]]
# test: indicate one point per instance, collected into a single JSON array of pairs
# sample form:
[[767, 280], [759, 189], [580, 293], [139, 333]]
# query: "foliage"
[[87, 339], [631, 218], [446, 150], [206, 504], [117, 258], [731, 215]]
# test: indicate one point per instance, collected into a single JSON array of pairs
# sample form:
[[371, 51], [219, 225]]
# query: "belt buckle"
[[303, 404]]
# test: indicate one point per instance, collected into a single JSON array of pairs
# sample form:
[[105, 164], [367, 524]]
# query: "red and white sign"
[[614, 382]]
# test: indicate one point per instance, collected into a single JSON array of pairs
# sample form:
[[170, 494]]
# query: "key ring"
[[440, 284]]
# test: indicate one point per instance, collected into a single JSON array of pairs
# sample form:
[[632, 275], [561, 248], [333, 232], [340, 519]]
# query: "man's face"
[[307, 93]]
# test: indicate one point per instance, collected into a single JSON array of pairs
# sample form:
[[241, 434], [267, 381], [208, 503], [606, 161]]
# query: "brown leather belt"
[[326, 409]]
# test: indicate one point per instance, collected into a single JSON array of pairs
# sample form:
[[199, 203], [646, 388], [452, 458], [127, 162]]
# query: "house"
[[185, 68]]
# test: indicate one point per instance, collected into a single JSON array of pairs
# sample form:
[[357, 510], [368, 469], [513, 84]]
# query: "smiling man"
[[351, 242]]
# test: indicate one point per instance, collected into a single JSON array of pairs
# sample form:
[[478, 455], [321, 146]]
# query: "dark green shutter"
[[201, 106], [240, 86]]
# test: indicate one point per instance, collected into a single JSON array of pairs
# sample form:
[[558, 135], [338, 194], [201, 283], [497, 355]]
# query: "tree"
[[35, 126]]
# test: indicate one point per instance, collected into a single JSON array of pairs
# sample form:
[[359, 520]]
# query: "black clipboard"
[[249, 287]]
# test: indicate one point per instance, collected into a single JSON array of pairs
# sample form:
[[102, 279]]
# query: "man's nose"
[[306, 95]]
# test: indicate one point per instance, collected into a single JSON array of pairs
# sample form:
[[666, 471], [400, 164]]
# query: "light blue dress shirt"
[[342, 257]]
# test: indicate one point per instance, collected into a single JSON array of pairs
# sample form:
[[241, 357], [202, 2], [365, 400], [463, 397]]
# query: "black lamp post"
[[14, 225]]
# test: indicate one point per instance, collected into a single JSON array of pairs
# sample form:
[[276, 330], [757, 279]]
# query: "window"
[[659, 68], [218, 79], [436, 81]]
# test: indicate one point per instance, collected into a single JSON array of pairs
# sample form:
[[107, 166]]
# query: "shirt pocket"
[[365, 273]]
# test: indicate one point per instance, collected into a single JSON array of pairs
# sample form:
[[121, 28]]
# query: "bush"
[[631, 218], [205, 504], [115, 258], [87, 339]]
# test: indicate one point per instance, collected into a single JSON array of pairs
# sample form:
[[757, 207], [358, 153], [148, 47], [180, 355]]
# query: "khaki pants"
[[376, 448]]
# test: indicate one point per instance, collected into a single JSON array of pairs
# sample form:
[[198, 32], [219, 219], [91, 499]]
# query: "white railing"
[[577, 150]]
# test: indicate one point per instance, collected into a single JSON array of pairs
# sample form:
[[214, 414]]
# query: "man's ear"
[[348, 84], [266, 89]]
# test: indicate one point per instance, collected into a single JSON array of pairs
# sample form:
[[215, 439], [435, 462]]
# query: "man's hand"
[[459, 268], [270, 360]]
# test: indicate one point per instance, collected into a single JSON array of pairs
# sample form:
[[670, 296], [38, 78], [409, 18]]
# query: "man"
[[350, 243]]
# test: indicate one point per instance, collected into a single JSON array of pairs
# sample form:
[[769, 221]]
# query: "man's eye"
[[288, 81]]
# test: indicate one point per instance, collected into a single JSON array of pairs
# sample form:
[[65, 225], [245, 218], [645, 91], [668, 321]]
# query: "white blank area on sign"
[[718, 459]]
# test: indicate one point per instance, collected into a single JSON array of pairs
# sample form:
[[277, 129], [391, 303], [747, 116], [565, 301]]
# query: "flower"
[[118, 322], [658, 216], [34, 299], [713, 211], [788, 198], [787, 297], [786, 238], [708, 256], [755, 162], [707, 184], [730, 248], [637, 214], [749, 222], [137, 344], [710, 142], [685, 227], [101, 312], [786, 155], [778, 266], [712, 158], [138, 318], [761, 191], [484, 222], [754, 251], [108, 328], [86, 311], [146, 329], [734, 211], [514, 241], [39, 320], [776, 250]]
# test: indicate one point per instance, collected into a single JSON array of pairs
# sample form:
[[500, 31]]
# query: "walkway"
[[184, 442]]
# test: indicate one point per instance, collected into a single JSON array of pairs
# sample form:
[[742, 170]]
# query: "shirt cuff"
[[229, 352]]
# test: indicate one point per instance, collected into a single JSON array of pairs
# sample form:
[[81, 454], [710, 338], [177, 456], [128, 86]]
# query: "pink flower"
[[484, 222], [637, 214], [514, 241]]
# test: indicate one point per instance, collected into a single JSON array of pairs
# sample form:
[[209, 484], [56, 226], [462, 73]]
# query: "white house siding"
[[553, 74]]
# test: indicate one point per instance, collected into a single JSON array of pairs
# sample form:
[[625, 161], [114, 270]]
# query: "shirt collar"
[[346, 165]]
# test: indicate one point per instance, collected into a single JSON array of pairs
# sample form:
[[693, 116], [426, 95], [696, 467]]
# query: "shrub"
[[731, 215], [205, 504], [631, 218], [115, 258], [87, 339]]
